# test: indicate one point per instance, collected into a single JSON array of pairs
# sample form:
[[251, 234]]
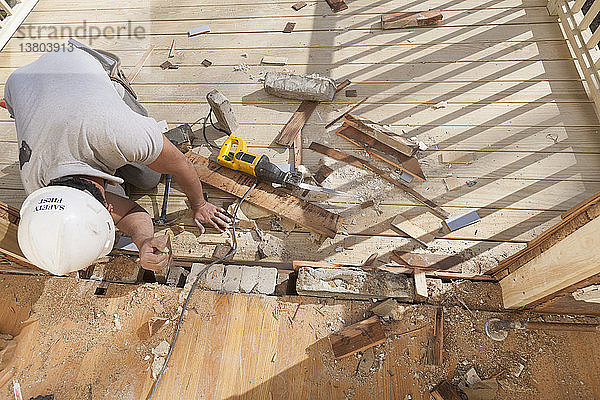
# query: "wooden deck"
[[514, 99]]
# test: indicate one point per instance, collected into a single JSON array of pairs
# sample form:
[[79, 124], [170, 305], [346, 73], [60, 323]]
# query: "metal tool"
[[497, 329], [259, 166]]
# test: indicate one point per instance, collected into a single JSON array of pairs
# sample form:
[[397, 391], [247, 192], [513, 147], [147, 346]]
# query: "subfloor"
[[494, 79], [76, 345]]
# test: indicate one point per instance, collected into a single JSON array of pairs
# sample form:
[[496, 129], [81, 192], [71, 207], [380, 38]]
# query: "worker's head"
[[65, 229]]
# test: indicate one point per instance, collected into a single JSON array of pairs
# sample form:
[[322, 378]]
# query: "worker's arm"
[[172, 161], [134, 221]]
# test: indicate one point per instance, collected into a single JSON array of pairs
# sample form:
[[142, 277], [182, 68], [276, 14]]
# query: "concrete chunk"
[[353, 283], [221, 107], [249, 279], [300, 87], [233, 277], [267, 281], [213, 278]]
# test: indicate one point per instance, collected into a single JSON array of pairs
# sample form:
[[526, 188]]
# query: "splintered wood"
[[382, 135], [266, 196], [357, 337], [289, 132]]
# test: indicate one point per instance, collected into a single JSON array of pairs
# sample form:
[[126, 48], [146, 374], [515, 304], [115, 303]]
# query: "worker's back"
[[71, 120]]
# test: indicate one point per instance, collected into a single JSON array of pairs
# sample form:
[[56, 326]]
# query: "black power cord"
[[200, 275], [209, 119]]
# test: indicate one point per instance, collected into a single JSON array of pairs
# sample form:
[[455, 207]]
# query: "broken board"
[[380, 150], [357, 162], [296, 123], [357, 337], [266, 196], [381, 135]]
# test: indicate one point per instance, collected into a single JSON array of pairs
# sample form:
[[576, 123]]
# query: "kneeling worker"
[[80, 135]]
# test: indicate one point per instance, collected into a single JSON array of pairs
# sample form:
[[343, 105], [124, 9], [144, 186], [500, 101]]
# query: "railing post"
[[553, 7]]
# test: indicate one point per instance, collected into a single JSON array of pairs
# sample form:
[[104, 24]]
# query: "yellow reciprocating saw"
[[259, 166]]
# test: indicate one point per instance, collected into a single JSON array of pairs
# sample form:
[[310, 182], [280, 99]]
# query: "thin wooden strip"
[[136, 70], [576, 208], [266, 196]]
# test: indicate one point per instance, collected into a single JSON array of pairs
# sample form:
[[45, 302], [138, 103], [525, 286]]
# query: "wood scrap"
[[358, 337], [274, 60], [351, 93], [322, 173], [413, 230], [382, 135], [456, 157], [354, 107], [357, 162], [411, 19], [138, 67], [289, 132], [150, 327], [337, 5], [343, 85], [299, 5], [266, 196], [425, 261], [445, 391], [289, 27], [420, 284], [381, 151], [169, 65], [206, 63]]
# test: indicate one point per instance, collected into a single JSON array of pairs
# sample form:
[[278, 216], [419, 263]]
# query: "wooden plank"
[[358, 337], [289, 132], [377, 149], [264, 195], [426, 261], [382, 135], [357, 162], [411, 19], [572, 260], [413, 230]]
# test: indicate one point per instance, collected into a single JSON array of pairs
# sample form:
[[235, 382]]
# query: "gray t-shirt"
[[71, 121]]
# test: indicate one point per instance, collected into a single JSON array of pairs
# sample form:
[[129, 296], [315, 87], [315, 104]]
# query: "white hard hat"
[[63, 229]]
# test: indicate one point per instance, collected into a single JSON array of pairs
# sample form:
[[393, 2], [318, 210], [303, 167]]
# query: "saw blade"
[[314, 188]]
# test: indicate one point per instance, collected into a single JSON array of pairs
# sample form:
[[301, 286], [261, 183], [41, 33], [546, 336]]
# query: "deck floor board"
[[513, 98]]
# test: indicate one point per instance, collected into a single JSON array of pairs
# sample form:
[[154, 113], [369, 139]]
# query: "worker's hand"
[[154, 253], [211, 215]]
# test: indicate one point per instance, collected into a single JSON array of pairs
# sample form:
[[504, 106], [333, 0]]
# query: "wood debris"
[[169, 65], [289, 27], [411, 19], [206, 63], [337, 5], [299, 5], [358, 337]]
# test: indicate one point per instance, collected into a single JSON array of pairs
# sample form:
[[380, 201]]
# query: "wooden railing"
[[12, 14], [582, 41]]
